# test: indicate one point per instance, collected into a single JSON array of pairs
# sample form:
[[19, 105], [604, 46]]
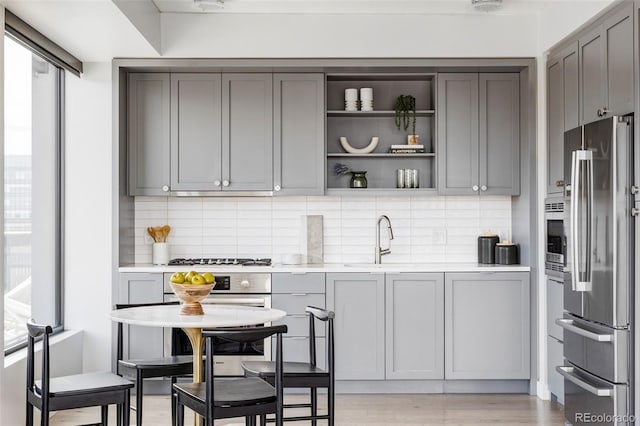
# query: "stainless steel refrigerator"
[[598, 278]]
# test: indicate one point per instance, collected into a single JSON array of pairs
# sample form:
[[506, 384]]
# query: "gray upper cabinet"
[[196, 135], [499, 141], [457, 133], [358, 302], [298, 147], [148, 134], [606, 66], [221, 132], [479, 134], [414, 326], [562, 110], [487, 326], [247, 132]]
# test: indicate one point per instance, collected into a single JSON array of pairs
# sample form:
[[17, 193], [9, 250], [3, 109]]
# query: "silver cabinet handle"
[[483, 187], [225, 183], [568, 373], [568, 324], [297, 316], [298, 294], [602, 111], [635, 189], [277, 188], [165, 188], [216, 183], [635, 211], [298, 338], [475, 188], [559, 183]]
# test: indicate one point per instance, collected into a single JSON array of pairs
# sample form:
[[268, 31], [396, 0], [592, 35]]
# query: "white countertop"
[[214, 316], [333, 267]]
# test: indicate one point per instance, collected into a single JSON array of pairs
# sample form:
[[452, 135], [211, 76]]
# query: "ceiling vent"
[[209, 4], [486, 5]]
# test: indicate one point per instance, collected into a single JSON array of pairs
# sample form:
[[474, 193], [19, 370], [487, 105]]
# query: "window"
[[32, 191]]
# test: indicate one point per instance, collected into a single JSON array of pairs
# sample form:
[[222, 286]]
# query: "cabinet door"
[[196, 136], [358, 302], [555, 125], [247, 123], [298, 146], [618, 31], [487, 326], [592, 75], [414, 326], [457, 145], [570, 87], [148, 134], [141, 342], [499, 135]]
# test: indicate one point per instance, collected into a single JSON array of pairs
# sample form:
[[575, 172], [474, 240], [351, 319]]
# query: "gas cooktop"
[[221, 261]]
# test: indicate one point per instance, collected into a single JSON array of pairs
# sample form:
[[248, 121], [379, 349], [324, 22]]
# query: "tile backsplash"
[[426, 229]]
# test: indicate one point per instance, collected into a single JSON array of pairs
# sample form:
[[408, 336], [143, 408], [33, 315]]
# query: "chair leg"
[[179, 414], [104, 415], [331, 405], [119, 415], [263, 420], [314, 405], [139, 394], [174, 380], [44, 420], [29, 414], [126, 408]]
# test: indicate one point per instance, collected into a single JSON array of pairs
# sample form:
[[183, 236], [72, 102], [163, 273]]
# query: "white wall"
[[88, 212]]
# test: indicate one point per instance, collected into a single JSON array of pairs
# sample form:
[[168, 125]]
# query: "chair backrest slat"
[[245, 334], [36, 330], [322, 315]]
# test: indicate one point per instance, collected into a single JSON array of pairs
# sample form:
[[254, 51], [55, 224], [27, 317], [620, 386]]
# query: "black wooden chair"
[[305, 374], [140, 369], [66, 392], [222, 398]]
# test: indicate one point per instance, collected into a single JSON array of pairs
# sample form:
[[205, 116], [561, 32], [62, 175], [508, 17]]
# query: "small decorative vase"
[[358, 180]]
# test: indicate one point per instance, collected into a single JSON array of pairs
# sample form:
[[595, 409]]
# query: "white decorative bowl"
[[366, 150]]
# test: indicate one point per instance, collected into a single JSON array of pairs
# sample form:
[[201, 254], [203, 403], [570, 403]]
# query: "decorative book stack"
[[407, 149]]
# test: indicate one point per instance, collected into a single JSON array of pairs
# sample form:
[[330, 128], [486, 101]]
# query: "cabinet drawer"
[[296, 349], [296, 303], [298, 325], [297, 283]]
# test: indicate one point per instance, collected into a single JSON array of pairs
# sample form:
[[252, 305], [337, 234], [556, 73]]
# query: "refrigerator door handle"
[[581, 281], [568, 324], [568, 373]]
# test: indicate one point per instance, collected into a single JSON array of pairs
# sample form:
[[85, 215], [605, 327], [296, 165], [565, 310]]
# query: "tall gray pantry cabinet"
[[479, 133]]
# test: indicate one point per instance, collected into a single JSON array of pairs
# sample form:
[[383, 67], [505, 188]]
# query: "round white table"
[[215, 316]]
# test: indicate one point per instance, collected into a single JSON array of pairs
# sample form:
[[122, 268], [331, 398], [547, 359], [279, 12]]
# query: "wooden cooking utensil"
[[157, 231], [151, 233], [165, 231]]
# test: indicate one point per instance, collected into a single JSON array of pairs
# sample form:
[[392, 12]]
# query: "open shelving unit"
[[360, 126]]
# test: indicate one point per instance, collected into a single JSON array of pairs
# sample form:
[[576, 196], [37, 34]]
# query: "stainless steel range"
[[236, 288], [220, 261]]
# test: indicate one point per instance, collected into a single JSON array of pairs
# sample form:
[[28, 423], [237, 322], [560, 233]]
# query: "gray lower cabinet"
[[137, 287], [221, 132], [414, 326], [148, 134], [487, 326], [606, 66], [478, 133], [358, 302], [293, 293], [298, 146]]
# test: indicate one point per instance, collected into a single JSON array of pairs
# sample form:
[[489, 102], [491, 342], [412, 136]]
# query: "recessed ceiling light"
[[209, 4], [486, 5]]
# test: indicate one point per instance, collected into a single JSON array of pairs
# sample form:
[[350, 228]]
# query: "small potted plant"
[[405, 109]]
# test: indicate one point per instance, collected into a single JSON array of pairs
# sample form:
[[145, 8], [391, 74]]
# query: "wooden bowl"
[[191, 295]]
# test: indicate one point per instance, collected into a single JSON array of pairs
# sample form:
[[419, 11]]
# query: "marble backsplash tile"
[[431, 229]]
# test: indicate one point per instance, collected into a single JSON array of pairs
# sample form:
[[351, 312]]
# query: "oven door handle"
[[234, 301]]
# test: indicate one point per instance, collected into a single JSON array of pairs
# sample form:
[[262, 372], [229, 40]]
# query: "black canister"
[[506, 253], [486, 248]]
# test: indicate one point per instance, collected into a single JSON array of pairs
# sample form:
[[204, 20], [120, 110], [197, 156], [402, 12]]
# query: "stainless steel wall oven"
[[238, 288]]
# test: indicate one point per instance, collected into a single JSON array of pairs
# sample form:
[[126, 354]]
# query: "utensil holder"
[[160, 253]]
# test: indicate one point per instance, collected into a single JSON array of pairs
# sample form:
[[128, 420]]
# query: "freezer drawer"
[[589, 400], [555, 359], [600, 350]]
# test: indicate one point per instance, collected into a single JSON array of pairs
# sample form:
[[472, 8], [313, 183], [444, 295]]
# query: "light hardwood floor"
[[360, 410]]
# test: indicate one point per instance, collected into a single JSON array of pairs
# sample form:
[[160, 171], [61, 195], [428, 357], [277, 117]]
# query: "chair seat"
[[290, 369], [232, 392], [85, 384], [172, 361]]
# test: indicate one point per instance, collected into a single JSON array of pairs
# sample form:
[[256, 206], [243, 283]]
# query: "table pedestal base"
[[197, 343]]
